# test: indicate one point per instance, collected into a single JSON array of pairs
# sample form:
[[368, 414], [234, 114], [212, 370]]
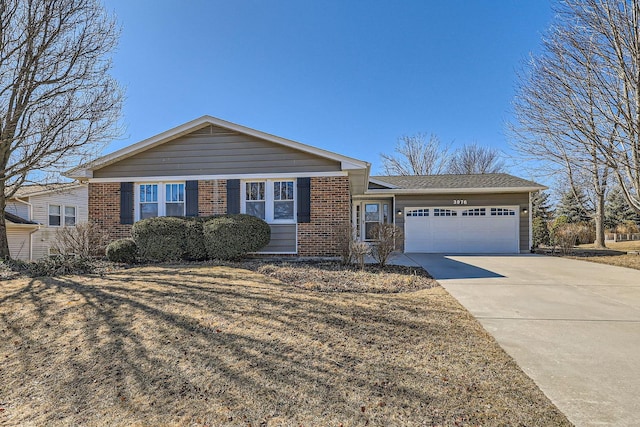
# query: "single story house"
[[35, 213], [210, 166]]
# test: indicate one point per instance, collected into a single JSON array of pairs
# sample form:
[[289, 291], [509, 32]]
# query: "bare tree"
[[416, 155], [562, 115], [475, 159], [57, 98]]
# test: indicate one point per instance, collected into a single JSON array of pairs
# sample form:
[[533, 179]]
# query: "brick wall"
[[104, 209], [330, 210], [212, 197]]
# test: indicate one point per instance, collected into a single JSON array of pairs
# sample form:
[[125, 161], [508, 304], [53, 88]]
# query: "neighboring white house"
[[36, 212]]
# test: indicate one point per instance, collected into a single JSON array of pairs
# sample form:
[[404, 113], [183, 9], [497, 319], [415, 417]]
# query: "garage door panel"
[[462, 233]]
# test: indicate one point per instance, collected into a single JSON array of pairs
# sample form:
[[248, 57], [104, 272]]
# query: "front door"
[[368, 214]]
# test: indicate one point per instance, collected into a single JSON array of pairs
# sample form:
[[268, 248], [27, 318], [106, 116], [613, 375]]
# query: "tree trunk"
[[599, 220], [4, 241]]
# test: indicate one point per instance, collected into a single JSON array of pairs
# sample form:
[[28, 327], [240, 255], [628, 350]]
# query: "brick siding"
[[104, 209], [330, 210], [212, 197]]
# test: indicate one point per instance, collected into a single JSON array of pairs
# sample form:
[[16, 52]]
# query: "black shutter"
[[233, 196], [304, 200], [126, 203], [191, 194]]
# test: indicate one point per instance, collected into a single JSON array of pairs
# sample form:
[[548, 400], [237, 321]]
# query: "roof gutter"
[[486, 190]]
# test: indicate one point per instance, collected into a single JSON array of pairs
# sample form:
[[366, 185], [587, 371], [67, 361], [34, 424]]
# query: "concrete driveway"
[[572, 326]]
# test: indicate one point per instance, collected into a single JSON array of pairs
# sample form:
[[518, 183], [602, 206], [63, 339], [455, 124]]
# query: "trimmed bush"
[[233, 236], [122, 250], [195, 249], [160, 239]]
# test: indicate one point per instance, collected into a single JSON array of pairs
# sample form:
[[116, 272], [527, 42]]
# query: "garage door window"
[[444, 212], [502, 212], [418, 212], [475, 212]]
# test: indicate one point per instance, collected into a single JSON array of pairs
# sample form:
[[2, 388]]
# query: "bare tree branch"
[[476, 159], [58, 102], [416, 155]]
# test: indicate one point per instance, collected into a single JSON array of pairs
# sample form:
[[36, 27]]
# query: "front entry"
[[369, 213]]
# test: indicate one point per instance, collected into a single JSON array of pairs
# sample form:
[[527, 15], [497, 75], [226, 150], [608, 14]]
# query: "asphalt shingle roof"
[[17, 220], [452, 181]]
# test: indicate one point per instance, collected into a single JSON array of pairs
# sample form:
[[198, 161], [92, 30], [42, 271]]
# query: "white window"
[[283, 200], [55, 215], [69, 216], [255, 199], [444, 212], [160, 199], [272, 200], [62, 215], [174, 197]]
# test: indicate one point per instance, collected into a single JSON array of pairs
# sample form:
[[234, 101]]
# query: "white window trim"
[[162, 197], [269, 199], [62, 215]]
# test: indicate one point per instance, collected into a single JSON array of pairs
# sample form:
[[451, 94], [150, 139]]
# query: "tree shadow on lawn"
[[217, 345]]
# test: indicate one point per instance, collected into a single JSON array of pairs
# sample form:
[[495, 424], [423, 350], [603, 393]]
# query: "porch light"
[[525, 211], [399, 212]]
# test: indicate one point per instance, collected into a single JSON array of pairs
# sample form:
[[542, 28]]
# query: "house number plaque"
[[459, 202]]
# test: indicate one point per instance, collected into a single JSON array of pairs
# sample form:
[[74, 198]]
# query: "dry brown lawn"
[[621, 259], [205, 345]]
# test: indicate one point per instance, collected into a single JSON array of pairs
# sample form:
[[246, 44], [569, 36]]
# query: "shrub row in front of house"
[[194, 239]]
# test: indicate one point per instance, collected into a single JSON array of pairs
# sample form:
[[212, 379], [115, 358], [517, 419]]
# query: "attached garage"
[[490, 229], [484, 213]]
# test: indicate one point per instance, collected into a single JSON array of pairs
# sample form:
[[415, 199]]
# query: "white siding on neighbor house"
[[18, 243], [18, 208], [44, 238]]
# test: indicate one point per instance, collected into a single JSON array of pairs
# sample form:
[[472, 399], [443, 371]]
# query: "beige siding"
[[447, 200], [283, 239], [18, 242], [216, 151], [18, 208], [44, 238]]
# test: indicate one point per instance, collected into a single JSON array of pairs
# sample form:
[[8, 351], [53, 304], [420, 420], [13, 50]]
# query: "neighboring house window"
[[160, 199], [55, 215], [62, 215], [271, 200], [70, 216]]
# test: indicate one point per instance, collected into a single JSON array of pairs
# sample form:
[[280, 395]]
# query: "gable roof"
[[452, 183], [86, 170], [38, 189]]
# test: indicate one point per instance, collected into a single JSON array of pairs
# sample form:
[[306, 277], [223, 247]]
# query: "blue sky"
[[350, 76]]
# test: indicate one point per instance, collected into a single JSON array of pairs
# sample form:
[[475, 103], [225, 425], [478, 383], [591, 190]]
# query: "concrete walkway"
[[572, 326]]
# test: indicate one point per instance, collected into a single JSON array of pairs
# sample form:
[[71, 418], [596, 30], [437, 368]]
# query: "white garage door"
[[492, 229]]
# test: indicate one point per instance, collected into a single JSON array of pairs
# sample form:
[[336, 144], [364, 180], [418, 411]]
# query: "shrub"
[[233, 236], [566, 236], [359, 251], [346, 239], [389, 238], [57, 265], [85, 239], [627, 227], [122, 250], [195, 249], [161, 238]]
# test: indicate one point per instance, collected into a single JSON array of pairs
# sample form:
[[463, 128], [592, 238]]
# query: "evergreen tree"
[[617, 210], [572, 207], [540, 206]]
